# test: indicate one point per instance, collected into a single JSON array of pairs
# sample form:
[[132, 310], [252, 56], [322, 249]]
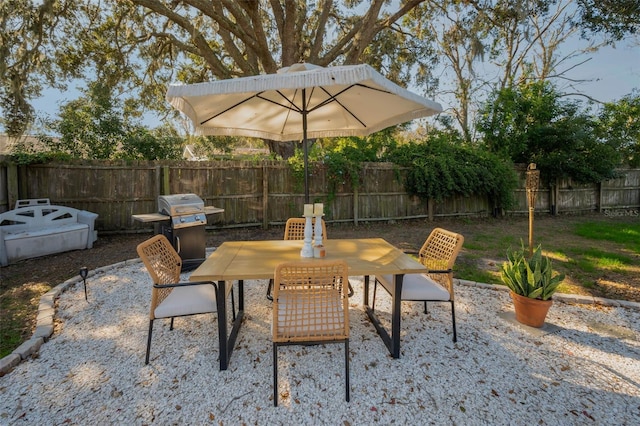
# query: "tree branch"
[[217, 67], [318, 38]]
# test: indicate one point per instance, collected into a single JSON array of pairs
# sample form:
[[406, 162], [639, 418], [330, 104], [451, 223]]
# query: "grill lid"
[[180, 204]]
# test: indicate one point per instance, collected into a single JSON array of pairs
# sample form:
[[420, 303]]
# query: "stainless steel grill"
[[186, 227], [185, 210], [182, 219]]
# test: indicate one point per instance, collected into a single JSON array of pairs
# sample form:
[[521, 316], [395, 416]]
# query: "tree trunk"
[[282, 149], [286, 149]]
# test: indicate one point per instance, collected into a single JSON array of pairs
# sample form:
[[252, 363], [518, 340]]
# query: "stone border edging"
[[563, 297], [46, 312]]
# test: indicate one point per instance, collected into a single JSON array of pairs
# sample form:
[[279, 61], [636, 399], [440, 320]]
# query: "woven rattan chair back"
[[294, 229], [163, 264], [310, 302], [439, 253]]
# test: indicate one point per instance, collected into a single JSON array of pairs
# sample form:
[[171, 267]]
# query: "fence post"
[[158, 189], [23, 188], [166, 189], [265, 196], [13, 194], [356, 206], [599, 197], [556, 197]]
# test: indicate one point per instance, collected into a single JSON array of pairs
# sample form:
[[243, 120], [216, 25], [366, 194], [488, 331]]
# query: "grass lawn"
[[599, 255]]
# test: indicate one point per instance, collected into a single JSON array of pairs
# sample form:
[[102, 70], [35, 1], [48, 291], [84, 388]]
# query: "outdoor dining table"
[[251, 260]]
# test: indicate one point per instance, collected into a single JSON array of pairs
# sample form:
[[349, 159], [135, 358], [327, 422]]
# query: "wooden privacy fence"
[[268, 192]]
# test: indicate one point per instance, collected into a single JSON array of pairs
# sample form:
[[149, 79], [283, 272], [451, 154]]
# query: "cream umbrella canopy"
[[300, 102]]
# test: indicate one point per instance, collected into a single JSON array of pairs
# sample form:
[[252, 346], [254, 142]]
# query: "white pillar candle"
[[308, 210], [318, 209]]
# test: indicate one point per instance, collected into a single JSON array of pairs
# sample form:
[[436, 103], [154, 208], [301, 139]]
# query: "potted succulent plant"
[[532, 284]]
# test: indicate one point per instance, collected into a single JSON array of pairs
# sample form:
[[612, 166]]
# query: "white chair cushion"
[[417, 287], [188, 300]]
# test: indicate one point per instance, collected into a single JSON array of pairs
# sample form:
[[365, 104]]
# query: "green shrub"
[[443, 167]]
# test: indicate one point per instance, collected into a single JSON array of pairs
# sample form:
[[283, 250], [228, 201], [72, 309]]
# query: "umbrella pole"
[[306, 171], [305, 146]]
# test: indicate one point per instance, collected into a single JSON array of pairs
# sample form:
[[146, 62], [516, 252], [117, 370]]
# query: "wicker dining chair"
[[438, 254], [294, 230], [310, 306], [171, 298]]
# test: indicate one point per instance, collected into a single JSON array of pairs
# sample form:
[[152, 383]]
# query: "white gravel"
[[584, 368]]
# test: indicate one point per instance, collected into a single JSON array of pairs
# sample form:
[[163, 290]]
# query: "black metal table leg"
[[238, 321], [366, 290], [396, 309], [392, 342], [221, 302], [227, 342]]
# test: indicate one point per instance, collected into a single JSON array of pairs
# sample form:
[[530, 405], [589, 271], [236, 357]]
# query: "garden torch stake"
[[83, 274], [532, 184]]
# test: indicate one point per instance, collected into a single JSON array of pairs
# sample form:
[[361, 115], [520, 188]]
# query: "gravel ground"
[[582, 368]]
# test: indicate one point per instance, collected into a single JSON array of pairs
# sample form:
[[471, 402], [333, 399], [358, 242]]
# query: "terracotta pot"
[[531, 312]]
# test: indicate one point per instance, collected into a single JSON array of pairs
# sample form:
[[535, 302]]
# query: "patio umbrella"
[[300, 102]]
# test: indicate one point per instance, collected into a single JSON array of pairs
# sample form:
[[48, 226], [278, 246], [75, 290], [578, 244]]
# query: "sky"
[[610, 74], [613, 72]]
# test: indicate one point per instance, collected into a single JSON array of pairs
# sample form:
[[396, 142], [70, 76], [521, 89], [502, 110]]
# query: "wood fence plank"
[[262, 193]]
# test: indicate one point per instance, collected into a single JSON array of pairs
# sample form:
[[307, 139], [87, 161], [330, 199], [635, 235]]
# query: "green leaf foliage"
[[443, 166], [532, 124], [98, 126], [615, 18], [162, 143], [343, 157], [619, 126], [532, 277], [23, 156]]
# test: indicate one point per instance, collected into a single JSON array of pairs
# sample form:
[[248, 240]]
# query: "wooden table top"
[[245, 260]]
